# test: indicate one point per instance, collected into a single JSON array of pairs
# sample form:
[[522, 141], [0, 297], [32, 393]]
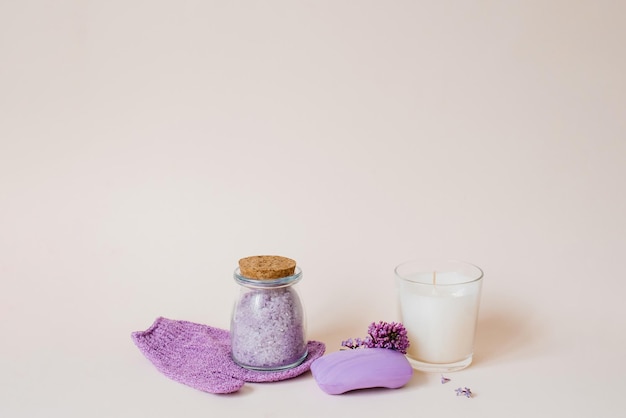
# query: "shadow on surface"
[[504, 334]]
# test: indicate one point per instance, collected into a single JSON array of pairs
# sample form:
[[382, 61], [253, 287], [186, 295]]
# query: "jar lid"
[[267, 267]]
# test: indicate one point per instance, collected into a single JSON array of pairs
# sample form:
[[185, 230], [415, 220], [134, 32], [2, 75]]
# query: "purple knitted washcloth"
[[199, 356]]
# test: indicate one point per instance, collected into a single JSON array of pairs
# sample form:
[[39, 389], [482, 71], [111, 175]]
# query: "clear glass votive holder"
[[438, 304]]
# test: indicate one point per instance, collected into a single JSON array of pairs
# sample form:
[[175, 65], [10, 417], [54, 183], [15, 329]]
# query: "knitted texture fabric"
[[199, 356]]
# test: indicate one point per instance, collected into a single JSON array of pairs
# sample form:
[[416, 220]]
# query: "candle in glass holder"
[[439, 304]]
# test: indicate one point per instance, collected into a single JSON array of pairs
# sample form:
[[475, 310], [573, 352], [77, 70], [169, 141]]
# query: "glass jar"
[[268, 324]]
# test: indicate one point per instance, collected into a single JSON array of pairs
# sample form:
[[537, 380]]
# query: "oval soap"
[[361, 368]]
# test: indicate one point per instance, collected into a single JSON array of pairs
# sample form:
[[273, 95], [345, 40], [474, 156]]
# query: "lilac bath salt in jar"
[[267, 328]]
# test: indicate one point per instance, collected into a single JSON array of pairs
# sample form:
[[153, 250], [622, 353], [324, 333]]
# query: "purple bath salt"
[[267, 329]]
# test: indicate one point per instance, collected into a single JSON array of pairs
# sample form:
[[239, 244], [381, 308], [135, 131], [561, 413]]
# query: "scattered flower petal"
[[464, 392], [444, 379]]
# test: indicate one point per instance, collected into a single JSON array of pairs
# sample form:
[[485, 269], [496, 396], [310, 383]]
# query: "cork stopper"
[[267, 267]]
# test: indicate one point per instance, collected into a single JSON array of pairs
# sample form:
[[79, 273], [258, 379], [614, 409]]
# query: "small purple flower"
[[464, 392], [382, 335], [444, 379], [353, 343]]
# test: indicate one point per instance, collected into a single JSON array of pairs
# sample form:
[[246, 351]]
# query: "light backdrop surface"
[[146, 146]]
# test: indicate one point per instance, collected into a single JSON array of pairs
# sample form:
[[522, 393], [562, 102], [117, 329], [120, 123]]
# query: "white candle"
[[439, 311]]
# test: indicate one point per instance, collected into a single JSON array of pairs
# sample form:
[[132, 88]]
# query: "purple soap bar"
[[361, 368]]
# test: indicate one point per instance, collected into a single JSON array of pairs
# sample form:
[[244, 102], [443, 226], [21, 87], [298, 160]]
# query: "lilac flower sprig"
[[382, 335]]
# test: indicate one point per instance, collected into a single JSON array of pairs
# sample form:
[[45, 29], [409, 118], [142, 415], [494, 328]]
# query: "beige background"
[[145, 146]]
